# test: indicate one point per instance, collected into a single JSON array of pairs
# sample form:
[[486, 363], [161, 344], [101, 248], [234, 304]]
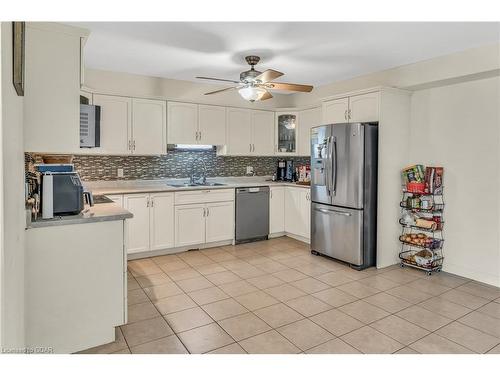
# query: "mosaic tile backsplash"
[[175, 164]]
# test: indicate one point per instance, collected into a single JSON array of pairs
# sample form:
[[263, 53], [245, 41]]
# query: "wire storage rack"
[[422, 224]]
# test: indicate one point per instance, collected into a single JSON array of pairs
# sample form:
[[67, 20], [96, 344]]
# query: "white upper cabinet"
[[148, 127], [52, 88], [239, 131], [161, 218], [116, 124], [335, 111], [364, 108], [263, 133], [287, 126], [308, 119], [182, 123], [357, 108], [211, 125]]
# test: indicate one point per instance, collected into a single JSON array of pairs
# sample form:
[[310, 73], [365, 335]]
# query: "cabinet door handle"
[[204, 212], [130, 145], [208, 212], [349, 114], [345, 114], [152, 202], [147, 202], [134, 144]]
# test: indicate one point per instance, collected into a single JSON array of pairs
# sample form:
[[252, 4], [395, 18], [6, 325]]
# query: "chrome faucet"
[[194, 179]]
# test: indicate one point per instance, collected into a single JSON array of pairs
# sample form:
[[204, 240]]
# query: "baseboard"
[[298, 238], [472, 274], [176, 250]]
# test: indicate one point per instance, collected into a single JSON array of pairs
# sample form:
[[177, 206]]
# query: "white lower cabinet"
[[219, 225], [161, 221], [204, 216], [189, 224], [298, 211], [137, 228], [276, 209], [151, 228]]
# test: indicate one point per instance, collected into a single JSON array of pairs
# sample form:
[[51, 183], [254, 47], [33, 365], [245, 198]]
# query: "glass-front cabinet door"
[[286, 132]]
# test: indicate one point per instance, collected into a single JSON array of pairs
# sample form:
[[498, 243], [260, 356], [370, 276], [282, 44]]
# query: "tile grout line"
[[297, 268]]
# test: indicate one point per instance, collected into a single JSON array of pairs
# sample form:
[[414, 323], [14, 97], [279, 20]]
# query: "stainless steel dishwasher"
[[252, 214]]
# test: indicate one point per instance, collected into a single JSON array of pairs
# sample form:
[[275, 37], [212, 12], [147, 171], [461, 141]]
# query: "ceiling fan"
[[253, 85]]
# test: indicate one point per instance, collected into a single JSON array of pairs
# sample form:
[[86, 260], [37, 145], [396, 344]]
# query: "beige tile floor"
[[275, 297]]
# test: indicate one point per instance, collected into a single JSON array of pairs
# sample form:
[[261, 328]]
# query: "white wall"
[[458, 127], [461, 66], [126, 84], [12, 205]]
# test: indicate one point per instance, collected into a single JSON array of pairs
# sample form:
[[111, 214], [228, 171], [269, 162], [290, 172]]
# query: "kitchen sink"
[[188, 184]]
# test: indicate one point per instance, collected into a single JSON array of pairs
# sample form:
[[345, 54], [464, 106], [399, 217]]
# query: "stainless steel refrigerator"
[[344, 192]]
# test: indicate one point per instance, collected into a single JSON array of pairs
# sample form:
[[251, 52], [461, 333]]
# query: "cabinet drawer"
[[204, 196]]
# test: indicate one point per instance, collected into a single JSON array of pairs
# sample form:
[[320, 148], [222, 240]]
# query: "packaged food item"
[[426, 202], [408, 218], [434, 180], [426, 224], [424, 258], [414, 173]]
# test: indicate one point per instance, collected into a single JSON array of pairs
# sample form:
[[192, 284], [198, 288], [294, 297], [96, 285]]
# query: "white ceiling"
[[308, 53]]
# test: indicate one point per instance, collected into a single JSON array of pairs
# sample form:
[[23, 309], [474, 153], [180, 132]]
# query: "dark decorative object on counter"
[[175, 164]]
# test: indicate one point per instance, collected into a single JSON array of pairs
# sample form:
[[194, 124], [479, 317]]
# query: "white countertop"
[[97, 213], [152, 186]]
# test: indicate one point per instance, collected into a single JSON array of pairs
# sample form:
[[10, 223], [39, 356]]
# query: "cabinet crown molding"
[[365, 91]]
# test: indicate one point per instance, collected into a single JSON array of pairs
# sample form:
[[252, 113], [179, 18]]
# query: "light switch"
[[249, 170], [119, 172]]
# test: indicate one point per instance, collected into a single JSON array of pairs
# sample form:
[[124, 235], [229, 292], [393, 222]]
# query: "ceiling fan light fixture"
[[251, 93]]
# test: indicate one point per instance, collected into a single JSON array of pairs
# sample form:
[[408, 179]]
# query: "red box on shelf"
[[415, 187]]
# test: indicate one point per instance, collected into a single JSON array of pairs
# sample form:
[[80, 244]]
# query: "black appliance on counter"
[[61, 190], [281, 170]]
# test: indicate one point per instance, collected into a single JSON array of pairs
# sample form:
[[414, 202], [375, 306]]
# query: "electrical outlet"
[[249, 170], [119, 172]]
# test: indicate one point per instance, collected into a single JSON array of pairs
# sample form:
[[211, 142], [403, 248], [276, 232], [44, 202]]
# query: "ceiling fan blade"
[[218, 79], [217, 91], [289, 86], [267, 95], [268, 75]]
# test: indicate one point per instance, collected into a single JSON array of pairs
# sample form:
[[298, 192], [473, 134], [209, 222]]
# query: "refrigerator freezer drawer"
[[337, 232]]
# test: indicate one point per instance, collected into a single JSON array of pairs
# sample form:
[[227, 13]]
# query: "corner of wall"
[[12, 205]]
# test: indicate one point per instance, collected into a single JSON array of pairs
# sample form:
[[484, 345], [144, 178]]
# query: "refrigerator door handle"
[[335, 212], [334, 161], [327, 167]]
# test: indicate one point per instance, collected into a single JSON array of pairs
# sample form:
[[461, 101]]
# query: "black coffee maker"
[[281, 170]]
